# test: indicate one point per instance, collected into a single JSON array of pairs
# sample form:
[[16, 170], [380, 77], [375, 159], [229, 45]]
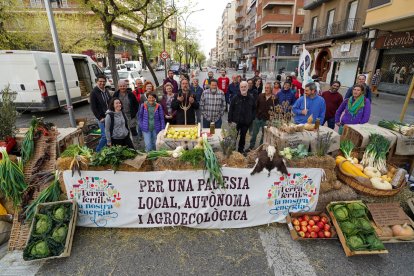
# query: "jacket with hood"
[[133, 104], [159, 123], [99, 101], [116, 125]]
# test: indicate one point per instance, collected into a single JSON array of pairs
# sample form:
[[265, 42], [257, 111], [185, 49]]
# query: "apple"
[[307, 235], [311, 222], [324, 220], [309, 228], [297, 228], [304, 229], [316, 218], [295, 222], [321, 234], [320, 224], [300, 219], [303, 223], [306, 218], [301, 233], [313, 235], [315, 229], [326, 227], [327, 234]]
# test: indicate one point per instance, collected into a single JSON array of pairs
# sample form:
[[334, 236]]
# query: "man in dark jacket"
[[234, 87], [242, 113], [171, 80], [99, 100], [196, 90], [186, 105]]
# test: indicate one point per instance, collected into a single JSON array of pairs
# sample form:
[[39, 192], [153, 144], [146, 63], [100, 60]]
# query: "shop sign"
[[187, 198], [395, 40]]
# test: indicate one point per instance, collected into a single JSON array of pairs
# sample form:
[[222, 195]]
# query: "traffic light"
[[172, 34]]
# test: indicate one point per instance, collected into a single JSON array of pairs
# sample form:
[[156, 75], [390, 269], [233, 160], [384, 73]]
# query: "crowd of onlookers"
[[128, 116]]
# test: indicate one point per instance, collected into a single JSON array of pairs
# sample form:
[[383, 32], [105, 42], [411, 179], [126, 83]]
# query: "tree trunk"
[[146, 61], [110, 48]]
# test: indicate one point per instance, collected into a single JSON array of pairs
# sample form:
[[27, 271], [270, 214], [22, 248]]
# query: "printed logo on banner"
[[294, 193], [97, 198]]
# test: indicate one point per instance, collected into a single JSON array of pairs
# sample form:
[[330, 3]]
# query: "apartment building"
[[334, 35], [228, 57], [213, 57], [391, 48], [278, 28]]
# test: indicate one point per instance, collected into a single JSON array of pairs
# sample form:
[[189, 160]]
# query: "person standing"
[[148, 89], [315, 79], [296, 85], [234, 87], [255, 78], [252, 90], [166, 103], [212, 105], [355, 110], [99, 101], [116, 125], [185, 104], [376, 78], [362, 81], [196, 90], [206, 82], [309, 104], [333, 99], [286, 95], [130, 107], [139, 90], [276, 88], [170, 79], [223, 85], [151, 121], [241, 112], [265, 101]]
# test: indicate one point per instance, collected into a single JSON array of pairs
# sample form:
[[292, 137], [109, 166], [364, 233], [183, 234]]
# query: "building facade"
[[228, 57], [391, 48], [278, 28], [334, 35]]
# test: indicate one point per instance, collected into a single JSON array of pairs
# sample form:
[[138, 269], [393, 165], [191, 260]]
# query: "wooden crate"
[[184, 142], [294, 234], [71, 228], [67, 137]]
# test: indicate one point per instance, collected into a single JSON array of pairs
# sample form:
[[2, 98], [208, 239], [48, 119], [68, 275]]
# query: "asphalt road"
[[265, 250]]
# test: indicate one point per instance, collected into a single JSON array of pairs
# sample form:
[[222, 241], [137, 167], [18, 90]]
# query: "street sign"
[[164, 55]]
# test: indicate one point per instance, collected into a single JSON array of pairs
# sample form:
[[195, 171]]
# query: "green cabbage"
[[59, 234], [374, 243], [60, 213], [43, 224], [39, 249], [340, 212], [356, 243], [357, 209], [364, 225], [349, 228]]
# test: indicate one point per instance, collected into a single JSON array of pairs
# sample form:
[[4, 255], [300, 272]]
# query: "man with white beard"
[[242, 113], [212, 105]]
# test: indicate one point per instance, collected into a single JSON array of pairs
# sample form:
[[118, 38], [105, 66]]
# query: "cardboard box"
[[389, 214], [71, 229], [348, 251], [294, 233]]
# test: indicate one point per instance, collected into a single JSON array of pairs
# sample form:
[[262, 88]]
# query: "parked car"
[[176, 69], [160, 68], [119, 67], [133, 65], [36, 78], [131, 76], [241, 65]]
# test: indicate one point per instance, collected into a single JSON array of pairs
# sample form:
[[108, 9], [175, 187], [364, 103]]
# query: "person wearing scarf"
[[354, 110]]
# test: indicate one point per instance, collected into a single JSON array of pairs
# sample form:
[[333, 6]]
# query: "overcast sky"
[[207, 21]]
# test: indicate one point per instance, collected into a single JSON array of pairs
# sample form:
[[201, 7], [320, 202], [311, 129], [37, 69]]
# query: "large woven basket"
[[356, 185]]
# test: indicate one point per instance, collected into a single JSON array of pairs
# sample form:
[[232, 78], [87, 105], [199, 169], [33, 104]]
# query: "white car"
[[131, 76], [133, 65], [119, 68]]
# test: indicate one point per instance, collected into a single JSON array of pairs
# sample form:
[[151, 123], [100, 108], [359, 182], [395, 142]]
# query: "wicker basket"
[[356, 185]]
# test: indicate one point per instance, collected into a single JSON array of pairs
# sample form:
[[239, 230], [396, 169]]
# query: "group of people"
[[129, 115]]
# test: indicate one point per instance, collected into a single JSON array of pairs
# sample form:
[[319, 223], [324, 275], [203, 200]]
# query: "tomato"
[[316, 218], [326, 227], [327, 234], [321, 234], [311, 222], [303, 223], [315, 229], [307, 235], [295, 222], [301, 233], [324, 219], [320, 224]]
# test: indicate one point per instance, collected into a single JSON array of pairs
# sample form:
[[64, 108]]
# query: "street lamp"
[[185, 32]]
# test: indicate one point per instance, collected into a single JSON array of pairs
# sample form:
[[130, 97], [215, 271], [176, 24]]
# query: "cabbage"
[[340, 212], [43, 224], [60, 213], [364, 225], [356, 243], [59, 234], [374, 243], [349, 228], [357, 210], [39, 249]]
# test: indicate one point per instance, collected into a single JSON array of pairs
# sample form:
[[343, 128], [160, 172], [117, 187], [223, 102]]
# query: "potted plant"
[[8, 116]]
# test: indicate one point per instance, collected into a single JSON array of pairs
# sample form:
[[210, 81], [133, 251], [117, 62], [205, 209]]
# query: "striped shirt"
[[212, 105]]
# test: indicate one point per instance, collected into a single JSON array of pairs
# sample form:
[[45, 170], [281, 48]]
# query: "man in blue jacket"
[[234, 88], [313, 105]]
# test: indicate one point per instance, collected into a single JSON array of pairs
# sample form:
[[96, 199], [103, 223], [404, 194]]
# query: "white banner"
[[172, 198], [305, 66]]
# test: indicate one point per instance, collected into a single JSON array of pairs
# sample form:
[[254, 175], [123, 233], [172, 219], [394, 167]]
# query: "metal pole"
[[185, 38], [60, 62], [163, 45], [407, 100]]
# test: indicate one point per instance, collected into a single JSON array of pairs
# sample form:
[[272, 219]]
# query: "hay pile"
[[174, 164], [235, 160], [345, 193]]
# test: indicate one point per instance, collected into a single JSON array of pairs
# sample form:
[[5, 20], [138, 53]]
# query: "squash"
[[402, 230], [349, 169], [339, 159], [3, 210], [380, 184], [359, 167], [372, 172]]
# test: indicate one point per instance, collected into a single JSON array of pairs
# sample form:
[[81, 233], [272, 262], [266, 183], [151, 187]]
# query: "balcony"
[[270, 4], [277, 20], [237, 46], [239, 5], [276, 38], [345, 28], [239, 27], [239, 16], [313, 4], [239, 37]]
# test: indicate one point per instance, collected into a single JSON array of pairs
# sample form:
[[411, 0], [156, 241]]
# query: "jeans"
[[257, 126], [102, 141], [217, 124], [331, 122], [150, 138], [242, 131]]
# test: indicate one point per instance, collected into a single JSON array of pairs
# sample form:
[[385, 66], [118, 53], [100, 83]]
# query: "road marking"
[[283, 254], [13, 265]]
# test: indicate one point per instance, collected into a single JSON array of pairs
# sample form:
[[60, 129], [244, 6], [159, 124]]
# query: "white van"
[[35, 76], [133, 65]]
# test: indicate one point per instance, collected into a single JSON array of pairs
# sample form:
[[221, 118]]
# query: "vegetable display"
[[295, 153], [375, 153], [316, 226], [80, 156], [212, 165], [12, 184], [182, 133], [27, 148], [357, 229], [49, 232], [347, 147], [404, 129], [194, 156], [113, 156]]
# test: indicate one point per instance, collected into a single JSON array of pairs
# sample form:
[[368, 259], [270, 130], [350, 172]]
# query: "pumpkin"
[[381, 184]]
